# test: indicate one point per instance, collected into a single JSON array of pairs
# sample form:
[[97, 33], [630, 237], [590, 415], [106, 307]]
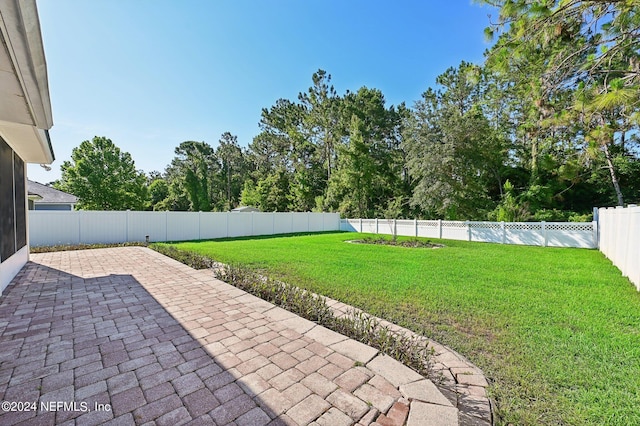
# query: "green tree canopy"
[[585, 51], [158, 191], [191, 176], [103, 177], [455, 155], [233, 167]]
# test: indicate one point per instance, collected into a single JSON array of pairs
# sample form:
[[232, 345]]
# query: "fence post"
[[624, 253], [594, 231], [360, 225], [251, 223], [607, 226], [199, 224], [468, 229], [440, 228], [395, 228], [544, 232], [617, 231], [377, 232], [80, 213], [415, 224], [504, 232]]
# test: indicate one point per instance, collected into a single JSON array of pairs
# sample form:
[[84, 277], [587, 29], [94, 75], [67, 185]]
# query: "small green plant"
[[410, 350], [70, 247], [194, 260], [302, 302]]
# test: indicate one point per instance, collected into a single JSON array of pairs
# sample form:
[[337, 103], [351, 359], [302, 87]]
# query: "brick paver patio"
[[127, 336]]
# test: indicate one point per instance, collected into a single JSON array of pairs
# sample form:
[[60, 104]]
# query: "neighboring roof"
[[33, 196], [245, 209], [25, 110], [50, 195]]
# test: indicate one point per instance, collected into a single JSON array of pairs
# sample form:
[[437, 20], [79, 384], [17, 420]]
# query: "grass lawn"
[[557, 331]]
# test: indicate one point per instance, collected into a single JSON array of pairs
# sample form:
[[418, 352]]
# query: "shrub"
[[302, 302], [554, 215], [70, 247], [410, 350], [188, 258]]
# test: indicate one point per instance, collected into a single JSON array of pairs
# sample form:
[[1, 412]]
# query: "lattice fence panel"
[[427, 223], [485, 225], [523, 226], [588, 227], [454, 224]]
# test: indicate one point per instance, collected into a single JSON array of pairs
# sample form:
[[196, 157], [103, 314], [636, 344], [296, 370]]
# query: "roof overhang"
[[29, 142], [25, 110]]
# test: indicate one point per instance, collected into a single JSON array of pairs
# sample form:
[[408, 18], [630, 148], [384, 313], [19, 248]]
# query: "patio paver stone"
[[157, 342]]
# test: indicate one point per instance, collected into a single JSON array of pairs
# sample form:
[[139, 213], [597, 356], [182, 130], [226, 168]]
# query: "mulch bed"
[[410, 243]]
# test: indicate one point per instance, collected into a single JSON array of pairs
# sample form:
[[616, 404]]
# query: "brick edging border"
[[457, 378]]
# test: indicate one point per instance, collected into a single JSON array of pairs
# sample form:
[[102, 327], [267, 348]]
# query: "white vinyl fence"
[[547, 234], [620, 239], [48, 228]]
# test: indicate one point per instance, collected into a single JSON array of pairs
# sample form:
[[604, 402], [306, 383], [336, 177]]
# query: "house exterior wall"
[[51, 206], [14, 252], [25, 120]]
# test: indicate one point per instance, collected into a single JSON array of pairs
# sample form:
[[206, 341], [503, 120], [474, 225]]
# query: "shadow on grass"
[[257, 237]]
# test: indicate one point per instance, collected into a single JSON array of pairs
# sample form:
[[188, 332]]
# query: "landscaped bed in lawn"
[[557, 331]]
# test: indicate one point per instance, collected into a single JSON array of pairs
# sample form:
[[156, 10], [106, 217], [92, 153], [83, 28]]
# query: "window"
[[13, 215], [20, 209], [7, 203]]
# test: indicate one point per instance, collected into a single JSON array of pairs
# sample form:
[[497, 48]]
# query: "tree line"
[[545, 129]]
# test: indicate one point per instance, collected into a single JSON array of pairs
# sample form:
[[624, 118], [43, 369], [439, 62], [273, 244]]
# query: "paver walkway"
[[128, 336]]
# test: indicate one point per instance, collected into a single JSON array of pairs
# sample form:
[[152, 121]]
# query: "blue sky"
[[150, 74]]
